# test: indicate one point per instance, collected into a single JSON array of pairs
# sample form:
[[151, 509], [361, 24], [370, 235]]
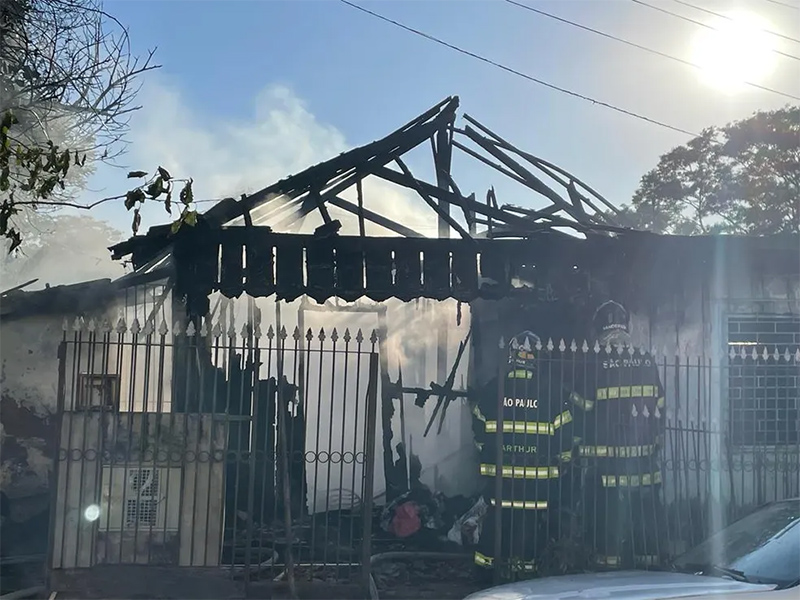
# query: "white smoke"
[[228, 157], [61, 249]]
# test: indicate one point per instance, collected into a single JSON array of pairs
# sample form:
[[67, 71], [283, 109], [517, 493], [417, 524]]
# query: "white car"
[[753, 557]]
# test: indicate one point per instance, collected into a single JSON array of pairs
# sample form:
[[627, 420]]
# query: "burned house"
[[304, 350]]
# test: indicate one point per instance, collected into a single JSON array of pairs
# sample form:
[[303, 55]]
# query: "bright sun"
[[736, 51]]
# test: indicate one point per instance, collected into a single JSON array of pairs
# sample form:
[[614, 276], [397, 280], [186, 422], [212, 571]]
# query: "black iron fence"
[[206, 447], [605, 457], [255, 451]]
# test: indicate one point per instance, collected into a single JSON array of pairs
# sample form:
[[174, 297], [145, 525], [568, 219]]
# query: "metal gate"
[[206, 448]]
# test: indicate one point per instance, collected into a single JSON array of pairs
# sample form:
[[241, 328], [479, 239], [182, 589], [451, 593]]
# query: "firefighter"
[[619, 412], [533, 427]]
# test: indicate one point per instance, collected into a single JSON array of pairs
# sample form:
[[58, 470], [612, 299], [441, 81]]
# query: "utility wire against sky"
[[518, 73], [640, 47], [779, 3], [701, 24], [708, 11]]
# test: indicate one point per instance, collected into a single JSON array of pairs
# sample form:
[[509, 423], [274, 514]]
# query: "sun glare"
[[736, 51]]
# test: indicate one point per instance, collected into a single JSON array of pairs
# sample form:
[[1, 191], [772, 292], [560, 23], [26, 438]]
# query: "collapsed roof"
[[244, 246], [572, 204]]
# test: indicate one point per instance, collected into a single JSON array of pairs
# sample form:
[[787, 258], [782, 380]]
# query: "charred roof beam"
[[369, 166], [550, 169], [443, 214], [530, 180], [373, 217], [499, 168], [469, 204], [395, 144]]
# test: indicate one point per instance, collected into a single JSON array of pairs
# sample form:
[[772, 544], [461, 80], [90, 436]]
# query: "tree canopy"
[[741, 178], [68, 83]]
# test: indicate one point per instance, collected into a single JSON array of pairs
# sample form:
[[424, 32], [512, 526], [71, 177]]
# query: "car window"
[[765, 545]]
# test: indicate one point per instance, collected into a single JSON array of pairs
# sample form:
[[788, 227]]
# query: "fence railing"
[[255, 450], [203, 447]]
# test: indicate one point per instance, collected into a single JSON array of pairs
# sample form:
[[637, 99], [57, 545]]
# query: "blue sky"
[[252, 90]]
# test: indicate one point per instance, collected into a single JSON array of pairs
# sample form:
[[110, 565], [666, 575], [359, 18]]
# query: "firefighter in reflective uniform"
[[535, 437], [619, 405]]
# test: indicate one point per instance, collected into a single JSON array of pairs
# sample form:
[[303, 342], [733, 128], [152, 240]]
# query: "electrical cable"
[[713, 13], [779, 3], [701, 24], [640, 47], [519, 73]]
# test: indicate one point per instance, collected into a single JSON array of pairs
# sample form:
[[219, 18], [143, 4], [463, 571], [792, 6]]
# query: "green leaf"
[[136, 174], [176, 226], [155, 189], [190, 218], [168, 202], [137, 221], [16, 239], [133, 197], [8, 120], [65, 162], [186, 195], [164, 174]]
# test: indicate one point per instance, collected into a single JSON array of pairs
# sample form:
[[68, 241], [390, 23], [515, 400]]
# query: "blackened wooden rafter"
[[283, 205], [290, 200], [550, 169]]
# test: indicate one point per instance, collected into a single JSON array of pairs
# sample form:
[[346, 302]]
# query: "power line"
[[515, 72], [640, 47], [792, 6], [701, 24], [708, 11]]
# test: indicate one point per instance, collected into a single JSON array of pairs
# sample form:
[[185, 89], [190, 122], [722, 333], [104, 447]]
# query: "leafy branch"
[[159, 188], [31, 173]]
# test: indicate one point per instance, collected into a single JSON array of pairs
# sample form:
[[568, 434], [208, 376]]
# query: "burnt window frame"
[[760, 391], [84, 395]]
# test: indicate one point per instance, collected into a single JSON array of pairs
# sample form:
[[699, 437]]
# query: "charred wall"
[[679, 292], [32, 330]]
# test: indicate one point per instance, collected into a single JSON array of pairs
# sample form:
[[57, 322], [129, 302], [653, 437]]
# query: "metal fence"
[[676, 472], [256, 452], [251, 450]]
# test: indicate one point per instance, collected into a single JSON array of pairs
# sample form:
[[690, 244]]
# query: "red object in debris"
[[406, 520]]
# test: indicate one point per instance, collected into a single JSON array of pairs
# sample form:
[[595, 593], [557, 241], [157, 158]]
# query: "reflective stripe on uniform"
[[627, 391], [631, 480], [562, 419], [581, 402], [617, 451], [524, 504], [520, 472], [647, 560], [515, 564], [531, 427], [520, 374]]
